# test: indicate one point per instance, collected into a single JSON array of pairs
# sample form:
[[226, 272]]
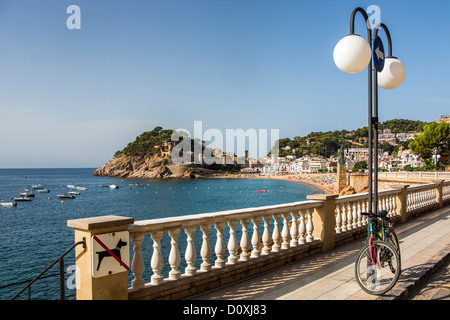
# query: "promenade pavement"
[[425, 248]]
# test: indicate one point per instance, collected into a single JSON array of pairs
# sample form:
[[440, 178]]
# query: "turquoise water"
[[34, 234]]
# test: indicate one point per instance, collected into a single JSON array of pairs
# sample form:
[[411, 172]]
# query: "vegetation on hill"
[[147, 144], [328, 143], [434, 138]]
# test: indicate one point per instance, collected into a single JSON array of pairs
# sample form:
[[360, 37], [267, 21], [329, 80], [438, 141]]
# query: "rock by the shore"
[[153, 167]]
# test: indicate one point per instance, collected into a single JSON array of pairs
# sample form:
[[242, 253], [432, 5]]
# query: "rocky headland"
[[150, 167]]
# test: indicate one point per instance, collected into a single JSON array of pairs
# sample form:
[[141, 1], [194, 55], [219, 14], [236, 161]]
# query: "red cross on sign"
[[110, 253]]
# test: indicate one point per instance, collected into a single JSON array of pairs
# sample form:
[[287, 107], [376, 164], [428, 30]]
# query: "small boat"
[[66, 196], [42, 190], [27, 193], [72, 186], [22, 198], [37, 186], [113, 186], [74, 193], [262, 191], [8, 204]]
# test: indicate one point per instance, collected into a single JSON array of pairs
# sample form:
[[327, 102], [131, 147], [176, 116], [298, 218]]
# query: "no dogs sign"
[[110, 253]]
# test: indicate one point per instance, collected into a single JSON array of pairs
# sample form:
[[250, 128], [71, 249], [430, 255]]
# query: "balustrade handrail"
[[182, 222], [430, 185]]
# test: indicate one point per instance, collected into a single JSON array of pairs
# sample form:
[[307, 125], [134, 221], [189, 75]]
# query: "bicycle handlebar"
[[382, 214]]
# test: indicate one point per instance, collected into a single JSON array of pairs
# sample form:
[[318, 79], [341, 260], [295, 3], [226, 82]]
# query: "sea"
[[34, 234]]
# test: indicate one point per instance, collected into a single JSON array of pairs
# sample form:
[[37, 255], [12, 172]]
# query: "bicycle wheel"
[[391, 237], [377, 267]]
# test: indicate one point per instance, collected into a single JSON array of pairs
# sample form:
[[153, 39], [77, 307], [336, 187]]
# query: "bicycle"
[[378, 265]]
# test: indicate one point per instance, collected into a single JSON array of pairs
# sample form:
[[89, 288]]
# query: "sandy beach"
[[324, 181]]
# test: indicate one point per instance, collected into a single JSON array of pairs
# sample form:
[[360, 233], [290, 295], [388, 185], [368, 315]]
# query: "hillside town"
[[400, 160]]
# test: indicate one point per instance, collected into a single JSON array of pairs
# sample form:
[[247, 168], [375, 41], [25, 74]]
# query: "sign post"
[[102, 267]]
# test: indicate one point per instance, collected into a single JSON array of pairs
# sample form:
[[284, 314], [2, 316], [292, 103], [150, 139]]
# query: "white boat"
[[42, 190], [26, 193], [36, 186], [72, 186], [8, 204], [113, 186], [74, 193], [22, 199]]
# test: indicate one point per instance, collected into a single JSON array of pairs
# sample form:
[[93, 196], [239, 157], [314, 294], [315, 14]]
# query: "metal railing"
[[60, 261]]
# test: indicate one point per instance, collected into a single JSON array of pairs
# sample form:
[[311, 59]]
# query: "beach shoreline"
[[322, 181]]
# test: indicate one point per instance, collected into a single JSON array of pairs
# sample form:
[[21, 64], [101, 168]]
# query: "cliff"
[[150, 167]]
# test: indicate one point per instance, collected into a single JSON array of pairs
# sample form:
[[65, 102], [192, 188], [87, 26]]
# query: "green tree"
[[434, 136], [360, 165]]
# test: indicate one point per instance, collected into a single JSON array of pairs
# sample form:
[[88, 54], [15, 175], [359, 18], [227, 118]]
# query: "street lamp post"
[[436, 158], [351, 55]]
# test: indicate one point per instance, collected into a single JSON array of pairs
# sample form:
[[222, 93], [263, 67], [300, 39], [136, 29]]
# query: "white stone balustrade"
[[256, 239]]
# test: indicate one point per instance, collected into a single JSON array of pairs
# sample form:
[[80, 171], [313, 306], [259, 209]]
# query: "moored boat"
[[26, 193], [22, 198], [8, 204], [66, 196]]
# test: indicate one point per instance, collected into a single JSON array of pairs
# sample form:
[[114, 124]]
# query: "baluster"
[[266, 236], [255, 237], [387, 204], [174, 255], [245, 242], [349, 216], [137, 266], [408, 202], [232, 242], [220, 245], [205, 250], [417, 200], [338, 219], [363, 209], [190, 254], [294, 230], [394, 205], [344, 217], [302, 227], [358, 214], [285, 232], [157, 262], [309, 226], [276, 236], [354, 214], [381, 203]]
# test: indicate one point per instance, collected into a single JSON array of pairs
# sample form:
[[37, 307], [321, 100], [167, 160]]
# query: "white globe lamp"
[[352, 54], [392, 75]]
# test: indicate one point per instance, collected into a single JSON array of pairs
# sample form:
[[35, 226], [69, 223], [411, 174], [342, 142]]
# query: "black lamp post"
[[351, 55]]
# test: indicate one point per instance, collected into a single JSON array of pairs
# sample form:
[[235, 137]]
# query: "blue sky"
[[71, 98]]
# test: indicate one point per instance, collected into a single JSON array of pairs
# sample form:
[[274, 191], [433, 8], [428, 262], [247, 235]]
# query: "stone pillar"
[[439, 191], [401, 201], [324, 219], [111, 287], [341, 180]]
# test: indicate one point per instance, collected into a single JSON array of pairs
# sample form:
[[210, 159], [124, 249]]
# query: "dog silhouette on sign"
[[105, 254]]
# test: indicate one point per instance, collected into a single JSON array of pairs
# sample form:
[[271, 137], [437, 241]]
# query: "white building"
[[317, 164]]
